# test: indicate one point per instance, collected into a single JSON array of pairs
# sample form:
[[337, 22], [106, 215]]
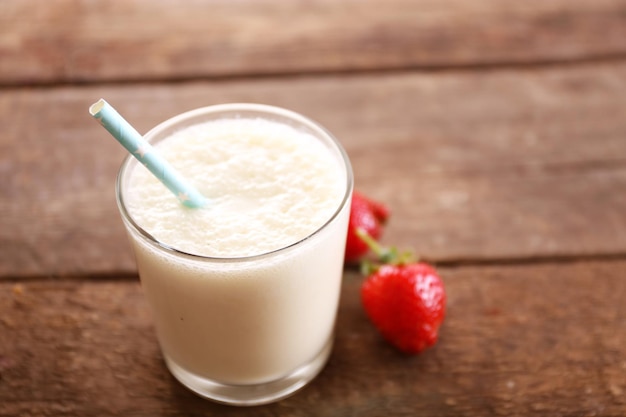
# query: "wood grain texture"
[[494, 165], [517, 340], [495, 130], [84, 41]]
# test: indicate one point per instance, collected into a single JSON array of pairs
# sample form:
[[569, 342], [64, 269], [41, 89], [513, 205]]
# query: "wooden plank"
[[475, 166], [517, 340], [72, 41]]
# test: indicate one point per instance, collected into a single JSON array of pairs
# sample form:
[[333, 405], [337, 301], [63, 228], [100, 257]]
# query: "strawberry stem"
[[384, 255], [370, 241]]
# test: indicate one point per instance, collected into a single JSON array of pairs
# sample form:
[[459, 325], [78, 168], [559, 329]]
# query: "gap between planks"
[[452, 263], [426, 69]]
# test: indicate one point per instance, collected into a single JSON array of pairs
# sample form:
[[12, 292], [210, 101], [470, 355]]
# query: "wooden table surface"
[[495, 130]]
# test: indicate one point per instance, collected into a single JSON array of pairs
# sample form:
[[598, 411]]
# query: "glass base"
[[248, 395]]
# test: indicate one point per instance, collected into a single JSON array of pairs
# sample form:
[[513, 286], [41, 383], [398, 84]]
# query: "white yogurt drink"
[[244, 291]]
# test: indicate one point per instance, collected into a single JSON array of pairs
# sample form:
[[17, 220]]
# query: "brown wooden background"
[[495, 130]]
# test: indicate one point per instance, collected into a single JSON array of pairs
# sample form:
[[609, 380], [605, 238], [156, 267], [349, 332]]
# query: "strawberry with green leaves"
[[405, 300], [368, 215]]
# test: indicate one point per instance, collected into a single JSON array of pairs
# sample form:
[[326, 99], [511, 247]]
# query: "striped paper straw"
[[145, 153]]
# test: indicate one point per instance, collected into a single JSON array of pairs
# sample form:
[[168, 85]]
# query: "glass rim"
[[232, 107]]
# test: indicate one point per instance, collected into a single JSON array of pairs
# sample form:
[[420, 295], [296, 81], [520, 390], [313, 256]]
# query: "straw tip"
[[198, 201], [97, 106]]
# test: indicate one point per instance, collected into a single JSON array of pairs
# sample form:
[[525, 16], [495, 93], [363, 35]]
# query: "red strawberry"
[[405, 301], [368, 215]]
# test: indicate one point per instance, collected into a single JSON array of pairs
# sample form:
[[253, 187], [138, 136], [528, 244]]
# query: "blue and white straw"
[[145, 153]]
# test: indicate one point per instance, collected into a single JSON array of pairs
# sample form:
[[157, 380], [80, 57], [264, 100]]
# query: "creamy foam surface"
[[268, 185]]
